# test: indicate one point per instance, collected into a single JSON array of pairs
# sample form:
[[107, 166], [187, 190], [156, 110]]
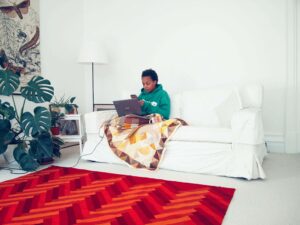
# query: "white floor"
[[274, 201]]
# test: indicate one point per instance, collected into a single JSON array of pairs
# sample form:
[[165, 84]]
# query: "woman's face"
[[148, 84]]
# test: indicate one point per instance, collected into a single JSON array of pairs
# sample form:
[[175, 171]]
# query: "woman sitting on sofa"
[[153, 98], [140, 141]]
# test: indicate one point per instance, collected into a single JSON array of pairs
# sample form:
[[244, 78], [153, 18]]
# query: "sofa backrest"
[[214, 107]]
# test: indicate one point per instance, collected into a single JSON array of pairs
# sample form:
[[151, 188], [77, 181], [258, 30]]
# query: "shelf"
[[69, 136], [72, 117], [77, 136]]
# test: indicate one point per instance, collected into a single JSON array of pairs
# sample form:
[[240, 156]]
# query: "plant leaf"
[[18, 152], [38, 90], [6, 135], [33, 150], [7, 111], [9, 82], [57, 142], [72, 99], [37, 123], [44, 145], [26, 161], [5, 126]]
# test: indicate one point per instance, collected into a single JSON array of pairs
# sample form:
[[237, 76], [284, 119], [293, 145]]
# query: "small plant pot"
[[55, 130], [54, 108], [71, 110]]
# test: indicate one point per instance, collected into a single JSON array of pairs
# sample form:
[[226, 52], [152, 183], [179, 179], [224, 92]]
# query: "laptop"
[[128, 106]]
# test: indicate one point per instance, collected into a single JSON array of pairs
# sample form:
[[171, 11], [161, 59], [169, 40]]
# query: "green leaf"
[[5, 126], [69, 107], [33, 150], [37, 123], [26, 161], [38, 90], [7, 111], [57, 142], [6, 135], [5, 140], [9, 82], [19, 152], [72, 99], [41, 147], [44, 145]]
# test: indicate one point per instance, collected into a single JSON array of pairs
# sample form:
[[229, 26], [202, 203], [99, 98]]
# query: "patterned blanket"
[[140, 141]]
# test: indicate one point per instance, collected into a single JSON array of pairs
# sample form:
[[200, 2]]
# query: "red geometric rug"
[[59, 195]]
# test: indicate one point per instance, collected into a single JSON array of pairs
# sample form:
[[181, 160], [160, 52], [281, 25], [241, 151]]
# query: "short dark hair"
[[150, 73]]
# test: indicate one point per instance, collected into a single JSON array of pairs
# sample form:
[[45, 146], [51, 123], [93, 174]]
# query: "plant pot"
[[55, 130], [45, 161], [71, 110], [54, 108]]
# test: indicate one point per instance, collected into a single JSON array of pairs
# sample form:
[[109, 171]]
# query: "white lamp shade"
[[91, 52]]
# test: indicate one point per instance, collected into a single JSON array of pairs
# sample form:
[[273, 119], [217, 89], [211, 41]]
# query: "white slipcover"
[[224, 138]]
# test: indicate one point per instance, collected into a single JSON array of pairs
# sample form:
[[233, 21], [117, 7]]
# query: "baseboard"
[[275, 143]]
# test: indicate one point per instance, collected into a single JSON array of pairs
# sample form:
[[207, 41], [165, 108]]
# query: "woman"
[[153, 99]]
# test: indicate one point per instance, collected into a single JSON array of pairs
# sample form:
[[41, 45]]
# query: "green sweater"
[[157, 101]]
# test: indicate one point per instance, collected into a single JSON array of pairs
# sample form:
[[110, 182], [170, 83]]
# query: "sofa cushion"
[[94, 120], [203, 134], [210, 107], [225, 110], [251, 95]]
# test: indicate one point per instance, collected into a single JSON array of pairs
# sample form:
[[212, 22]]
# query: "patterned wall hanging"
[[20, 38]]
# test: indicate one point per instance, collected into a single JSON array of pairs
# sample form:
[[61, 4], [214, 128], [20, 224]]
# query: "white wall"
[[61, 25], [297, 32], [191, 44]]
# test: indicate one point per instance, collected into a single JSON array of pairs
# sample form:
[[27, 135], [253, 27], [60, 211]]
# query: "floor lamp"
[[91, 53]]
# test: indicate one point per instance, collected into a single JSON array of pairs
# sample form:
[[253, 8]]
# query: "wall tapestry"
[[20, 38]]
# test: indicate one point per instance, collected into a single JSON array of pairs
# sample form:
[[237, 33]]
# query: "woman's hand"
[[141, 102]]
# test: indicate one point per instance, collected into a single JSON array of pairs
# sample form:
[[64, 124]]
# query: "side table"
[[71, 129]]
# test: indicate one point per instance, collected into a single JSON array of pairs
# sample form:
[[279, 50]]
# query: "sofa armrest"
[[247, 127], [94, 120]]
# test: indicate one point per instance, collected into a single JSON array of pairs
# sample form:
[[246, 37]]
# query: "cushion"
[[94, 120], [203, 134], [210, 107], [176, 103], [251, 96], [227, 108]]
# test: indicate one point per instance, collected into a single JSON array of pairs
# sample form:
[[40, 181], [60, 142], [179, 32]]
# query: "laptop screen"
[[128, 106]]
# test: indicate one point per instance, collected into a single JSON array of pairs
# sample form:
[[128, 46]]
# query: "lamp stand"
[[93, 87]]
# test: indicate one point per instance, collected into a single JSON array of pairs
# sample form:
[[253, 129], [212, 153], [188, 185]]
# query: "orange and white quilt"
[[140, 141]]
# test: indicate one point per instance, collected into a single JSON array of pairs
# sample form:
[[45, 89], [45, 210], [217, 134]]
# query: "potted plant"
[[55, 122], [67, 104], [70, 107], [30, 132]]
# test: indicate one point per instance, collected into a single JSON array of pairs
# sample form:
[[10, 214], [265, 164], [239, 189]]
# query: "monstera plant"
[[28, 131]]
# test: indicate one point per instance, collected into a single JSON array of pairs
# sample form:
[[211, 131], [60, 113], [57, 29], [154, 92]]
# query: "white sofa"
[[225, 134]]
